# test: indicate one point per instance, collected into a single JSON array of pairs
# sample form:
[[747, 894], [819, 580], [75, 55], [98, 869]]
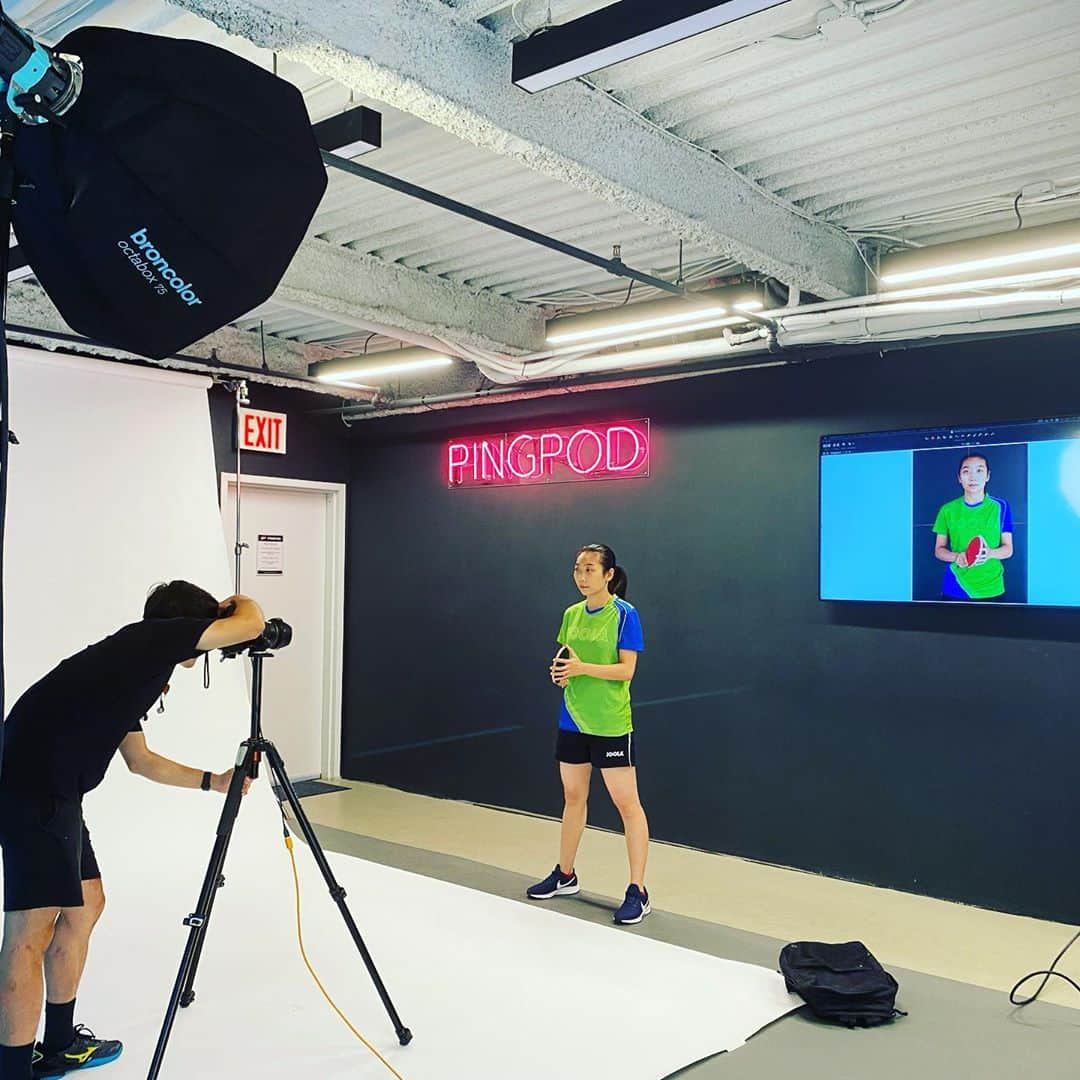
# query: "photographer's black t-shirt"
[[63, 732]]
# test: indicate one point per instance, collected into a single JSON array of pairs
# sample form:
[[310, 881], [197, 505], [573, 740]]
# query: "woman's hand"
[[563, 668], [964, 562], [558, 680]]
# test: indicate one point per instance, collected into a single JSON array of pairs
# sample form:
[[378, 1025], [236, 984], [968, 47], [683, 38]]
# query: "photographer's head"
[[180, 600]]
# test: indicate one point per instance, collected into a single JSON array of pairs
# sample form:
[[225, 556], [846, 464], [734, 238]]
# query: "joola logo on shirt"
[[140, 252], [615, 753]]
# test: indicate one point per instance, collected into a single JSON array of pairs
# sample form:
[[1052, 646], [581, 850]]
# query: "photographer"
[[58, 742]]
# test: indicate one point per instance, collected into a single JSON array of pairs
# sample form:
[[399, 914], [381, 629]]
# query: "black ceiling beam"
[[613, 266], [351, 133]]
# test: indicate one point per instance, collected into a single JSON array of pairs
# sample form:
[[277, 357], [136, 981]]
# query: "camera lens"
[[277, 634]]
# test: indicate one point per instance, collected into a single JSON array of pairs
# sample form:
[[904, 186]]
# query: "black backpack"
[[841, 983]]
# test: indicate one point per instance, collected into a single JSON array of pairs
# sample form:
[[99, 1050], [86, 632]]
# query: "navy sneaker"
[[634, 908], [86, 1052], [555, 884]]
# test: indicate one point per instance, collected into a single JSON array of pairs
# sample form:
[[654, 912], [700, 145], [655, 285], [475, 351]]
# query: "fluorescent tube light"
[[364, 369], [618, 32]]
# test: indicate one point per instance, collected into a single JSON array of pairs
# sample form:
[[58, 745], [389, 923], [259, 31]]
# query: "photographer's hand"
[[239, 605], [244, 622], [220, 782]]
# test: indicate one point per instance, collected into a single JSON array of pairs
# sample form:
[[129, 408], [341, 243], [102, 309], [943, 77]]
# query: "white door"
[[286, 573]]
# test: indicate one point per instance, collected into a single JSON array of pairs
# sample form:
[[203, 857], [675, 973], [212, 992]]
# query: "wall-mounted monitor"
[[987, 513]]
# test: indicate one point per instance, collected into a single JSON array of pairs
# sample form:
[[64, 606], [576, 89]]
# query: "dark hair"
[[178, 600], [967, 457], [617, 584]]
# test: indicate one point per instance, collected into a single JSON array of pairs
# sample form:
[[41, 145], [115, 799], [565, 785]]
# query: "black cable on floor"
[[1047, 975]]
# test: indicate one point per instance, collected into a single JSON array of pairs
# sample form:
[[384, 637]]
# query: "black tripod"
[[251, 752]]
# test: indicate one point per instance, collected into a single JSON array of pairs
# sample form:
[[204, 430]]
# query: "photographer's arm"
[[142, 761], [243, 621]]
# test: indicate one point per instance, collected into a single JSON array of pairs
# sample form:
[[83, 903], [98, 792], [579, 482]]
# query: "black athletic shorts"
[[46, 849], [604, 752]]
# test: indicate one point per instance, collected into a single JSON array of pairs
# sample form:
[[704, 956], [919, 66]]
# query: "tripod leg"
[[277, 768], [229, 813], [183, 994]]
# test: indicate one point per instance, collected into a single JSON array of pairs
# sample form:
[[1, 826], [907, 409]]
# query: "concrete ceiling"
[[767, 147]]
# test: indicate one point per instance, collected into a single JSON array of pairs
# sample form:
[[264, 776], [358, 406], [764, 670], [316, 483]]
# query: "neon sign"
[[550, 456]]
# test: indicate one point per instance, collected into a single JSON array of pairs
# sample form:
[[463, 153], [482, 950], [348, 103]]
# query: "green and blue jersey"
[[599, 706], [961, 522]]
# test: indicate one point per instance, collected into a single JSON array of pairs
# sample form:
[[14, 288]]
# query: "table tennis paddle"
[[975, 549]]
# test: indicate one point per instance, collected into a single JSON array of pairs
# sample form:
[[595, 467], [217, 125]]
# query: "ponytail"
[[617, 584]]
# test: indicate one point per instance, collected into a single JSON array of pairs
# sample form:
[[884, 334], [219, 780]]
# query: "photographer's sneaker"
[[555, 884], [86, 1052], [634, 908]]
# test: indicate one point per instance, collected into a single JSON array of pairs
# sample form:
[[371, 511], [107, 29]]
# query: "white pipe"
[[900, 328], [559, 391], [922, 316], [866, 319], [886, 13], [859, 319]]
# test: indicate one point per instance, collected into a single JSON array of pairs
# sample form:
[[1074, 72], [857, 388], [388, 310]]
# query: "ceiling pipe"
[[861, 319], [613, 265], [464, 399]]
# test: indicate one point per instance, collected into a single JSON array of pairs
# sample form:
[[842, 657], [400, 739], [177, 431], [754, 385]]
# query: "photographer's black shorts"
[[46, 849], [602, 751]]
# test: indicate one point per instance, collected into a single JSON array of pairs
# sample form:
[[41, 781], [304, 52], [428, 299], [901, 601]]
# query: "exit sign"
[[262, 431]]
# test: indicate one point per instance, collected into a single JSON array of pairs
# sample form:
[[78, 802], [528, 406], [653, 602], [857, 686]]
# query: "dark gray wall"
[[316, 445], [926, 750]]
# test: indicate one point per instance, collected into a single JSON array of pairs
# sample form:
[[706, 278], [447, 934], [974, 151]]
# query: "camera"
[[276, 635]]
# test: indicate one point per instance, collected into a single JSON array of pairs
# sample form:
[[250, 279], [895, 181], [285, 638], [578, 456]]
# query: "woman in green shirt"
[[601, 638]]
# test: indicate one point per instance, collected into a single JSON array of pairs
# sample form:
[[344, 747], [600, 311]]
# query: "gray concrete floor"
[[953, 1031]]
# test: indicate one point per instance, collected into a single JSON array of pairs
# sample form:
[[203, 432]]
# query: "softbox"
[[171, 197]]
